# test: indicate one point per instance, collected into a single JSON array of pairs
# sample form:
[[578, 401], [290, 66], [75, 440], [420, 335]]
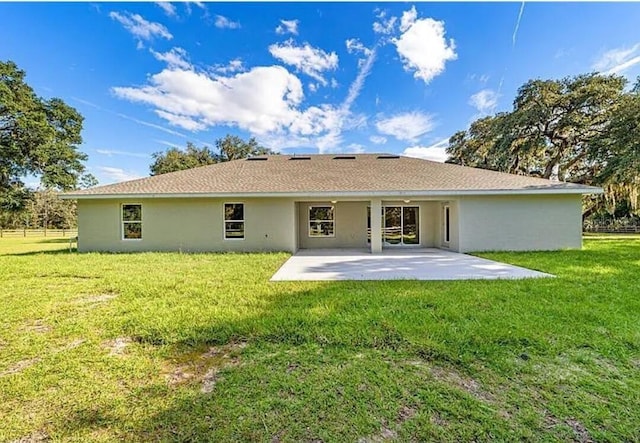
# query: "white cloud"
[[168, 8], [616, 61], [307, 59], [112, 152], [140, 28], [485, 101], [175, 58], [313, 87], [423, 47], [355, 148], [408, 18], [378, 139], [235, 65], [223, 22], [288, 26], [409, 126], [385, 25], [116, 174], [263, 101], [436, 152], [355, 46]]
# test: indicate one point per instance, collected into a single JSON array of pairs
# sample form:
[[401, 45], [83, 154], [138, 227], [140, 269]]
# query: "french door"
[[400, 225]]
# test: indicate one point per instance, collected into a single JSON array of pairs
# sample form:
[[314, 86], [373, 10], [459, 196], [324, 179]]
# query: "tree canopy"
[[229, 148], [583, 129], [37, 137]]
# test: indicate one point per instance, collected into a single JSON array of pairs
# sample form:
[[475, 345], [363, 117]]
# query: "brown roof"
[[358, 174]]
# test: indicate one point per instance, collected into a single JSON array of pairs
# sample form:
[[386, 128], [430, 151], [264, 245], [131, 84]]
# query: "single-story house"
[[375, 201]]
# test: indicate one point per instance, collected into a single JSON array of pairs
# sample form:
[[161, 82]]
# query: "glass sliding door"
[[410, 230], [392, 223]]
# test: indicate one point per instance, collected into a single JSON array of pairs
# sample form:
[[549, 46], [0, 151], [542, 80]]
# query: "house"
[[375, 201]]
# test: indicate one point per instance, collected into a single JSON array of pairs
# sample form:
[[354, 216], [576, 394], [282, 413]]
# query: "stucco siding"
[[350, 226], [189, 225], [508, 223]]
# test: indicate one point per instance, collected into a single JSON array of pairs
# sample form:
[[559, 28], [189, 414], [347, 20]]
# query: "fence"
[[14, 233], [613, 229]]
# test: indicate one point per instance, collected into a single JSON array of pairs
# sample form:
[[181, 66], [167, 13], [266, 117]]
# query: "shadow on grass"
[[43, 252]]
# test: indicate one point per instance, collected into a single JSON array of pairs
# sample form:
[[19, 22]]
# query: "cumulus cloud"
[[235, 65], [223, 22], [378, 139], [409, 126], [422, 46], [110, 175], [436, 152], [618, 60], [140, 28], [175, 58], [288, 27], [307, 59], [168, 8], [485, 101], [384, 25], [261, 100]]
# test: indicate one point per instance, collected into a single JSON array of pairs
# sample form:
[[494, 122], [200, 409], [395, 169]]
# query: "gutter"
[[338, 194]]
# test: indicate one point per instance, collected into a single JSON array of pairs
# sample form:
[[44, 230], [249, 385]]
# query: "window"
[[447, 224], [234, 221], [132, 221], [321, 221]]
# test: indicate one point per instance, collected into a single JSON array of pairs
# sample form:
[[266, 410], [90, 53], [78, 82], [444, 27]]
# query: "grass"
[[171, 347]]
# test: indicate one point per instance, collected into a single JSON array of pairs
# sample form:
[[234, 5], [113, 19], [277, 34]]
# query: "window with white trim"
[[131, 221], [234, 221], [321, 221]]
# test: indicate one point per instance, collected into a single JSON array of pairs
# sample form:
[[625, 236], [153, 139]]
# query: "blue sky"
[[301, 77]]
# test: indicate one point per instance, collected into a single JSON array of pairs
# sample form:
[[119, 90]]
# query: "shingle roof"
[[358, 174]]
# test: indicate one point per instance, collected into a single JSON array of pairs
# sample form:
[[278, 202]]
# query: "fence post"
[[24, 232]]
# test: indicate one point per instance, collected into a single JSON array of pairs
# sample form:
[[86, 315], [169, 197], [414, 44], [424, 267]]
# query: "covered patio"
[[395, 264]]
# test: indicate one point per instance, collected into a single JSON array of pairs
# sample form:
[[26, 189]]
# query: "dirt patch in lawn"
[[26, 363], [20, 366], [38, 326], [117, 346], [36, 437], [204, 367], [467, 384], [580, 432]]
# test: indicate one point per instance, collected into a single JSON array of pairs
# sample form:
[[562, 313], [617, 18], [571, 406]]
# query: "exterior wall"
[[350, 226], [520, 223], [189, 225]]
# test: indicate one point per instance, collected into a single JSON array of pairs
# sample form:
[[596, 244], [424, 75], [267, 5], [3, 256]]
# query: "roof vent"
[[256, 158], [344, 157], [297, 157], [387, 156]]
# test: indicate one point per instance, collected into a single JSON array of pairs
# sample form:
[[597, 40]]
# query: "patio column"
[[376, 226]]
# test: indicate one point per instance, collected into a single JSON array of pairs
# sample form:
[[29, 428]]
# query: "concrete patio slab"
[[395, 264]]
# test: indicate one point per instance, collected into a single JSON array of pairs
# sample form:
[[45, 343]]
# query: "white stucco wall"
[[520, 223], [189, 225]]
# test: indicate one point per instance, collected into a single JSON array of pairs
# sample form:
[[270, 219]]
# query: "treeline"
[[43, 209], [583, 129]]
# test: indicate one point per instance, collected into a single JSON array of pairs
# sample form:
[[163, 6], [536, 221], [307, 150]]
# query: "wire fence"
[[15, 233]]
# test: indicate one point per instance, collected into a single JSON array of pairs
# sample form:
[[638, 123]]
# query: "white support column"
[[376, 226]]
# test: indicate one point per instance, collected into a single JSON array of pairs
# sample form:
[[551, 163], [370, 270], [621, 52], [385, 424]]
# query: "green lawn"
[[164, 346]]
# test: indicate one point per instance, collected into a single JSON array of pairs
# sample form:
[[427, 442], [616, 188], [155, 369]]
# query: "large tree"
[[578, 129], [37, 137], [229, 148]]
